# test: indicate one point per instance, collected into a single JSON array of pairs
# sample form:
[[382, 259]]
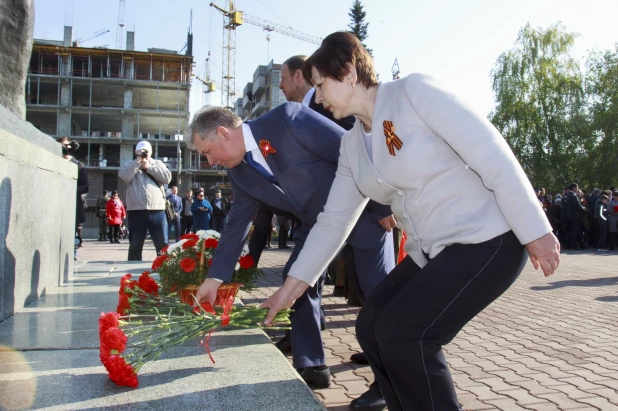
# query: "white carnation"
[[245, 250], [175, 246], [237, 266]]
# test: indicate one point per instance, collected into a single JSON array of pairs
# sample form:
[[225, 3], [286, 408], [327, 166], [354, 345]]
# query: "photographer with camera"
[[145, 200], [68, 151]]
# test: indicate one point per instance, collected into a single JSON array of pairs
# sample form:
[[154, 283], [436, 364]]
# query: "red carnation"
[[120, 372], [123, 304], [188, 264], [114, 339], [246, 261], [211, 243], [189, 243], [164, 249], [616, 209], [107, 321], [158, 262], [147, 284], [190, 236], [209, 262]]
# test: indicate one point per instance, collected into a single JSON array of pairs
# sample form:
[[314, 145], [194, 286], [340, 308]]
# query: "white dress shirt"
[[308, 96], [252, 147]]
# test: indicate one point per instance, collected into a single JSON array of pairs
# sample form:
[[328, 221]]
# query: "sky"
[[456, 41]]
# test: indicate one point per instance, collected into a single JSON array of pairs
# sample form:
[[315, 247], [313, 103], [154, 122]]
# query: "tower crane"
[[236, 18], [395, 70], [208, 86], [120, 28], [78, 42]]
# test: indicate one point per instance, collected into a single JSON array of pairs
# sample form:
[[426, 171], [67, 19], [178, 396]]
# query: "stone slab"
[[254, 377]]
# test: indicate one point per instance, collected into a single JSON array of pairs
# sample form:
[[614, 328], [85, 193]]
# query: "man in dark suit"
[[287, 159], [220, 208], [575, 217]]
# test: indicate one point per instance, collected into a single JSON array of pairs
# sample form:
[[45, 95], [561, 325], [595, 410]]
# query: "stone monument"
[[37, 226]]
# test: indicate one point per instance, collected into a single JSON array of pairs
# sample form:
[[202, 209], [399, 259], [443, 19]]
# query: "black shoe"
[[368, 401], [111, 241], [339, 291], [359, 358], [315, 377], [117, 241], [284, 345]]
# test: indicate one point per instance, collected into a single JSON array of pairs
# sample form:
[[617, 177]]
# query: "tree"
[[602, 91], [358, 25], [541, 107]]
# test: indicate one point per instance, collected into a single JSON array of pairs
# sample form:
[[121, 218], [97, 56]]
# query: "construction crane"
[[120, 28], [395, 70], [236, 18], [78, 42], [208, 86]]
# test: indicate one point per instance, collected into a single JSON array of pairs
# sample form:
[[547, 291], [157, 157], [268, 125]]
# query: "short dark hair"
[[206, 121], [115, 193], [295, 63], [604, 197], [336, 50], [573, 186]]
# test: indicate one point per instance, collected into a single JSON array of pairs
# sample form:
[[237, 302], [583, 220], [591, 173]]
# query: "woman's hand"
[[545, 253], [284, 297], [388, 223]]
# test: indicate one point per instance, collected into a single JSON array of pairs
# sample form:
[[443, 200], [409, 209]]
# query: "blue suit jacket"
[[305, 164]]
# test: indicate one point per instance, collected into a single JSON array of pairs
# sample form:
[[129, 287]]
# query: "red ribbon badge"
[[392, 141], [266, 148]]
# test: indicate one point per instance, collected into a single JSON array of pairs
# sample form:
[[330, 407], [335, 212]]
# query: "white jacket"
[[454, 180]]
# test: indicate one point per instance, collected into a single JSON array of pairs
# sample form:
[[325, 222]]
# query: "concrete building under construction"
[[108, 100]]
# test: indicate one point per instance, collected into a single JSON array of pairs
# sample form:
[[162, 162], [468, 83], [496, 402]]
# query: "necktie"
[[261, 170]]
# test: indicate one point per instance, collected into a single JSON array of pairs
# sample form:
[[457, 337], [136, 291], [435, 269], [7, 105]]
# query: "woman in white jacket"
[[457, 190]]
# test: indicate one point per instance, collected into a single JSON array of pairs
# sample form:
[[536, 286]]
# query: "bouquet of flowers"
[[186, 263], [158, 323]]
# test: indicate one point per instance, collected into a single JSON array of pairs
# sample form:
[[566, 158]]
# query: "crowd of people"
[[582, 221]]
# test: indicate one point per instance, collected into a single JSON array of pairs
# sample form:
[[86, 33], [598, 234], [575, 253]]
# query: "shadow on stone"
[[34, 279], [7, 259], [592, 282]]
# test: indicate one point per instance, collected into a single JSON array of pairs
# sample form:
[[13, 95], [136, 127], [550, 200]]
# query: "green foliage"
[[602, 91], [181, 267], [541, 105], [357, 23], [559, 122]]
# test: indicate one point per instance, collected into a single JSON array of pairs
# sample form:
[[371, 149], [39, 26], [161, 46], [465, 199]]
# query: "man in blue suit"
[[287, 159]]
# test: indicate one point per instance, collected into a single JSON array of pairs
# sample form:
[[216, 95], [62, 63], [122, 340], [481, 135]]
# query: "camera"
[[143, 154], [70, 148]]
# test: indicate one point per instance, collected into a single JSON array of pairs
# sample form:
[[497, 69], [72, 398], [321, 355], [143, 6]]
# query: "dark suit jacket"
[[305, 164], [575, 209]]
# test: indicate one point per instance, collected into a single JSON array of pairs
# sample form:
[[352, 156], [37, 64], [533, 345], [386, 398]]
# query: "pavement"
[[546, 344]]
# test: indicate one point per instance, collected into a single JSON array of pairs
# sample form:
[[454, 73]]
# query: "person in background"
[[145, 199], [220, 209], [115, 215], [612, 220], [68, 151], [600, 221], [186, 215], [175, 222], [284, 226], [102, 215], [450, 179], [202, 211]]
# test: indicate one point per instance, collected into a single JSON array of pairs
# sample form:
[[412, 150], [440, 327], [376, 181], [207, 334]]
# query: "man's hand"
[[388, 223], [144, 164], [208, 291], [284, 297], [545, 253]]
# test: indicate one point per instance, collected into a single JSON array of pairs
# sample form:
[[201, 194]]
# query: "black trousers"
[[187, 224], [575, 231], [114, 232], [413, 312]]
